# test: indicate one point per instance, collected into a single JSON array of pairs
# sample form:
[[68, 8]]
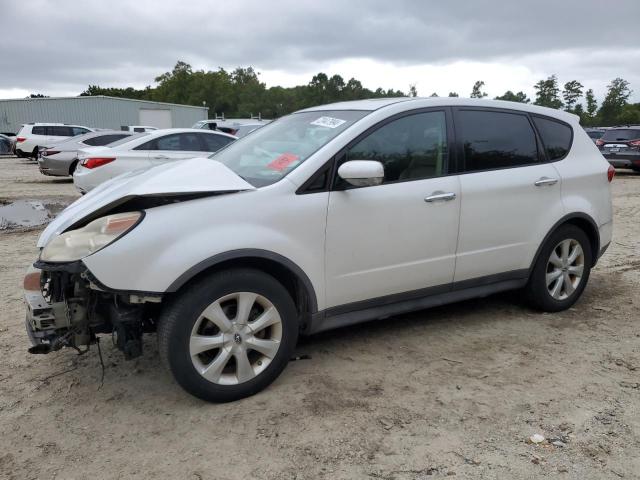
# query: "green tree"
[[477, 92], [618, 92], [434, 94], [548, 93], [571, 94], [413, 91], [509, 96], [453, 94], [37, 95], [592, 103], [630, 114]]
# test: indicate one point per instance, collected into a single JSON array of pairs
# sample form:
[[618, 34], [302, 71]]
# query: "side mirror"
[[362, 173]]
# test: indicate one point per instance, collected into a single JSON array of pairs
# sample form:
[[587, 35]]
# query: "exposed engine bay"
[[71, 308]]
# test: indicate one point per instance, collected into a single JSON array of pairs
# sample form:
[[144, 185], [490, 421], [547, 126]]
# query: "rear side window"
[[556, 137], [59, 131], [213, 142], [496, 140], [38, 131], [103, 140], [621, 134]]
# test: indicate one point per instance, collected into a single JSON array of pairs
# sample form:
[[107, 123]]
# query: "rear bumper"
[[629, 160]]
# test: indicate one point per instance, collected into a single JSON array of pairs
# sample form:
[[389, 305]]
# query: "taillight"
[[46, 153], [20, 139], [610, 173], [599, 142], [635, 143], [96, 162]]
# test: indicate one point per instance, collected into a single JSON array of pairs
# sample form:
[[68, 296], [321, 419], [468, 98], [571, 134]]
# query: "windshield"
[[621, 134], [271, 152]]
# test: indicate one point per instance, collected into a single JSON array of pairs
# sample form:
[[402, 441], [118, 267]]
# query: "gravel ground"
[[451, 391]]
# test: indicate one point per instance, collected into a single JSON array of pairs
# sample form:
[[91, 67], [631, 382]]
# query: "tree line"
[[240, 93]]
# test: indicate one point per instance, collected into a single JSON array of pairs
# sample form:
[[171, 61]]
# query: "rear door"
[[511, 196]]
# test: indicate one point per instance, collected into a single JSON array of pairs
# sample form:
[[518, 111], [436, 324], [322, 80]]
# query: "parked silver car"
[[61, 159]]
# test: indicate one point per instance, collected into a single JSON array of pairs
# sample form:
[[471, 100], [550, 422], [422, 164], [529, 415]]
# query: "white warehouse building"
[[97, 111]]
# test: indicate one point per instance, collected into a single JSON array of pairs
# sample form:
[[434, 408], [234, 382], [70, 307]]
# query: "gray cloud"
[[66, 45]]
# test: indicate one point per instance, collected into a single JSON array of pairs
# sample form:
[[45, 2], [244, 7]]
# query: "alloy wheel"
[[565, 269], [235, 338]]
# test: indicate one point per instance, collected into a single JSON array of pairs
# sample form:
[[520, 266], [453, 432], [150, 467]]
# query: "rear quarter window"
[[556, 137], [38, 131]]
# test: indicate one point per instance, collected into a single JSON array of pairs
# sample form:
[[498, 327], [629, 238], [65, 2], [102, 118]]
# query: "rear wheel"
[[561, 271], [34, 153], [229, 335]]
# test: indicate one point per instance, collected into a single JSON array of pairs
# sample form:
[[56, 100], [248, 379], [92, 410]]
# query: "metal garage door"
[[155, 118]]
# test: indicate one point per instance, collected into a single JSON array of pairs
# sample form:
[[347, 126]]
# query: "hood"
[[173, 179]]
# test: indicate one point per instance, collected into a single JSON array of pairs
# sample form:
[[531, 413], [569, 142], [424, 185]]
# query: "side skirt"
[[383, 307]]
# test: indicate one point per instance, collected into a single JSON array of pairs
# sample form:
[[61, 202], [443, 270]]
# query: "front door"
[[399, 236]]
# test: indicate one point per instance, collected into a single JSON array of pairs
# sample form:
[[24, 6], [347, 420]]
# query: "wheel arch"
[[582, 221], [292, 277]]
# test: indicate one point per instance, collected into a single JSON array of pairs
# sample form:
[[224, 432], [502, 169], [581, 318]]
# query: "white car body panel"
[[245, 220]]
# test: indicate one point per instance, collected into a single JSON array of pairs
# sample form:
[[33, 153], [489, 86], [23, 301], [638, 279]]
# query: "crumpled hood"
[[193, 176]]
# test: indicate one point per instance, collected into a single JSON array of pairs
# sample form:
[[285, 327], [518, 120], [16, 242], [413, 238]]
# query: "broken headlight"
[[76, 244]]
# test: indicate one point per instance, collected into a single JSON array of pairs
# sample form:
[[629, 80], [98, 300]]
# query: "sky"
[[58, 48]]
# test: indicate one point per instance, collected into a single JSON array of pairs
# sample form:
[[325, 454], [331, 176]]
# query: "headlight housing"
[[76, 244]]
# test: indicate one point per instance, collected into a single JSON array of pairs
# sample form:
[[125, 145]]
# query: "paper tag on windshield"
[[328, 122]]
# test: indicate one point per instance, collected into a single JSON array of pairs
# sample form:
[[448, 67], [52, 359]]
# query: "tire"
[[567, 279], [34, 153], [186, 320]]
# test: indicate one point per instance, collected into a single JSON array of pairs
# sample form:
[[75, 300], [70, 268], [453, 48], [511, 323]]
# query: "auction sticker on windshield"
[[328, 122]]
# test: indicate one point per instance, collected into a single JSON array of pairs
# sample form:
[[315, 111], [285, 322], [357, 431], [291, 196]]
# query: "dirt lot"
[[453, 391]]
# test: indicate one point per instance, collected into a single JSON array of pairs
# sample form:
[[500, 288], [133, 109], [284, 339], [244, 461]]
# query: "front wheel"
[[561, 271], [228, 335]]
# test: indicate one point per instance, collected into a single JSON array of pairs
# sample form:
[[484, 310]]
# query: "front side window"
[[273, 151], [410, 148], [556, 137], [494, 140], [176, 142]]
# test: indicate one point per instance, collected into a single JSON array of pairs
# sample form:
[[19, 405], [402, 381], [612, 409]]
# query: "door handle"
[[545, 181], [440, 197], [161, 157]]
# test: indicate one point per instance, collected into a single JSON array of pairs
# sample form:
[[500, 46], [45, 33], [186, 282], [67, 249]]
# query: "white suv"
[[327, 217], [33, 136]]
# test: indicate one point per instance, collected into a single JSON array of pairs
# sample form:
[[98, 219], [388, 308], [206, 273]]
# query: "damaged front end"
[[67, 307]]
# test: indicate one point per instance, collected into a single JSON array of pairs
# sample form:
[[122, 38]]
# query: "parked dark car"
[[621, 146], [6, 145]]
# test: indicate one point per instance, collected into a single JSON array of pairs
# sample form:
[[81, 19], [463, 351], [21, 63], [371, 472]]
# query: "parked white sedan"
[[144, 150]]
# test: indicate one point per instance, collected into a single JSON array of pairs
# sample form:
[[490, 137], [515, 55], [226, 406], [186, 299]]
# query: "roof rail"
[[253, 117]]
